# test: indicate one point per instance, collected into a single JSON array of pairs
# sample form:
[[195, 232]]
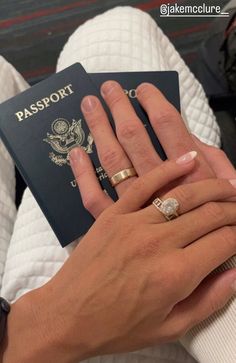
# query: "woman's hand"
[[135, 279], [138, 280]]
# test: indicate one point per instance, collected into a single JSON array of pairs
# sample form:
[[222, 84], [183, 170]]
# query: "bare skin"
[[125, 288], [132, 145]]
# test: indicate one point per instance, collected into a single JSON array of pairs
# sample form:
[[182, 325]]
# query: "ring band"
[[169, 207], [122, 175]]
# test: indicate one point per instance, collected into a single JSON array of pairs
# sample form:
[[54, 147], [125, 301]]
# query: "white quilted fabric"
[[126, 39], [120, 39], [11, 83]]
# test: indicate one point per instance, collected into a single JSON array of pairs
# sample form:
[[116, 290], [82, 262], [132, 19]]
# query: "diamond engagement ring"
[[169, 207]]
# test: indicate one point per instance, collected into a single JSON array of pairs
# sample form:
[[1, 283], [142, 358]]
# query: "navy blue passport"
[[41, 125]]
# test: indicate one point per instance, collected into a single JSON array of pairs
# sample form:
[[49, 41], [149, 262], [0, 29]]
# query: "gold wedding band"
[[122, 175]]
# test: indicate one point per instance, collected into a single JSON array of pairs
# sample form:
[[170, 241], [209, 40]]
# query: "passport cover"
[[41, 125]]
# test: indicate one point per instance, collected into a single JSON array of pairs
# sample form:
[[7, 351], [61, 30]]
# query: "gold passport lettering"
[[44, 102]]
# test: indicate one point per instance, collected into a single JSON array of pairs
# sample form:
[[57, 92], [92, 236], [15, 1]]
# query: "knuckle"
[[183, 194], [90, 201], [92, 122], [164, 118], [228, 235], [80, 173], [163, 168], [110, 159], [215, 211], [115, 97], [95, 118], [128, 130], [220, 184]]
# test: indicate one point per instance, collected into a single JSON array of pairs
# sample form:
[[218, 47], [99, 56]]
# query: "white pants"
[[122, 39]]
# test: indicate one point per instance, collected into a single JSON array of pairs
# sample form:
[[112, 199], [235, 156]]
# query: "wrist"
[[35, 332]]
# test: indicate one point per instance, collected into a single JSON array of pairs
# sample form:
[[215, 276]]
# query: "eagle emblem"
[[65, 137]]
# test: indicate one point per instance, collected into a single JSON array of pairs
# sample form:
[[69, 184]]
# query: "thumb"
[[214, 292]]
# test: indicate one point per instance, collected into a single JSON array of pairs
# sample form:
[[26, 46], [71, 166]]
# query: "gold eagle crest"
[[65, 137]]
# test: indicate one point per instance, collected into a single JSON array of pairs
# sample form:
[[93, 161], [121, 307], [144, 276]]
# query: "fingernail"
[[74, 155], [233, 182], [142, 87], [108, 87], [186, 158], [88, 104]]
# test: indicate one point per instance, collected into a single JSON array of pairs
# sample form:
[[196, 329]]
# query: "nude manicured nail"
[[233, 182], [186, 158], [88, 104]]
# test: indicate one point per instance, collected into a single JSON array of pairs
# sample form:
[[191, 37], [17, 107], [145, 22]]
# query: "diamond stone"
[[169, 206]]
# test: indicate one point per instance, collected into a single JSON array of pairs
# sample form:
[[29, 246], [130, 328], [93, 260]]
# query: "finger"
[[93, 197], [191, 196], [214, 292], [209, 252], [144, 187], [191, 226], [130, 130], [170, 128], [217, 159], [111, 155]]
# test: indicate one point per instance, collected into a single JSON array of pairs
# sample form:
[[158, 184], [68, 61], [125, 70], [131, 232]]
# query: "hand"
[[145, 285], [217, 159], [125, 288], [133, 146]]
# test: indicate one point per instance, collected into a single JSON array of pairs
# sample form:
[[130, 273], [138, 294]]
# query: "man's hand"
[[131, 146], [217, 159]]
